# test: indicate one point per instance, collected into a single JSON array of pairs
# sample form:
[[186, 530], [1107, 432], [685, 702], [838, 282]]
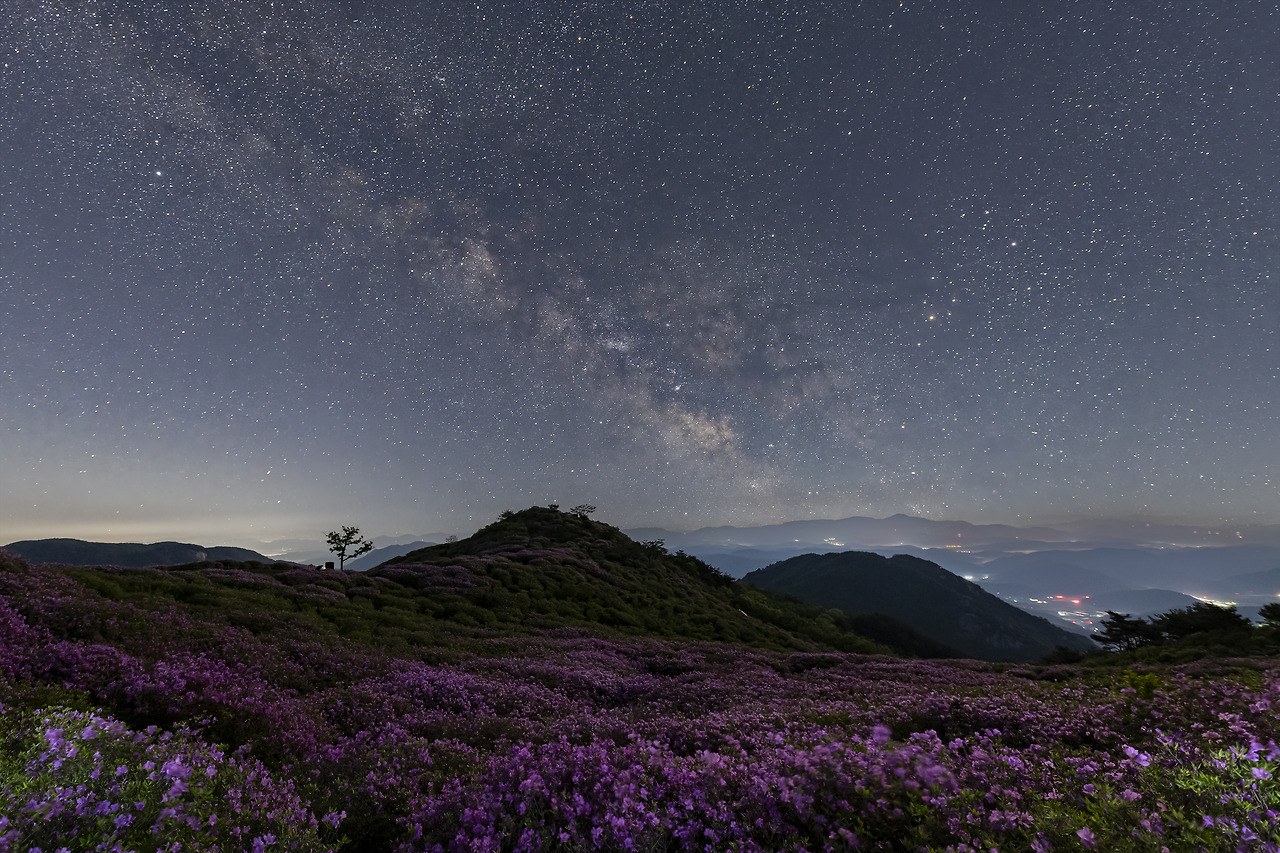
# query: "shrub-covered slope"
[[132, 719], [937, 603], [254, 707], [542, 568], [531, 572]]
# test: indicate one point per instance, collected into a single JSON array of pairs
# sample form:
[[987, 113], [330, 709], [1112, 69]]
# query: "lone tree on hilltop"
[[583, 510], [347, 545]]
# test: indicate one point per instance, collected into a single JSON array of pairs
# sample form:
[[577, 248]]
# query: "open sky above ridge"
[[268, 268]]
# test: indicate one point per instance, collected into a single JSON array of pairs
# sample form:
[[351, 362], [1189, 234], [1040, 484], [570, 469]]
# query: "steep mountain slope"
[[77, 552], [935, 602], [889, 532]]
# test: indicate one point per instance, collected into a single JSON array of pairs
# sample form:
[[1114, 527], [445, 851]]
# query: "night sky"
[[267, 268]]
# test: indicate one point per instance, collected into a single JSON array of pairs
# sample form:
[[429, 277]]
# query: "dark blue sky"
[[266, 269]]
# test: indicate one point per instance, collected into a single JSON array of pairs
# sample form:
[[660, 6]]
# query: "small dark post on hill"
[[347, 545]]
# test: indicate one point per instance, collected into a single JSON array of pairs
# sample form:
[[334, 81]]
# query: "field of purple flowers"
[[150, 725]]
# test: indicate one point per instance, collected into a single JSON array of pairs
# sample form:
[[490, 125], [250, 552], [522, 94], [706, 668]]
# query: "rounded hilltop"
[[545, 568]]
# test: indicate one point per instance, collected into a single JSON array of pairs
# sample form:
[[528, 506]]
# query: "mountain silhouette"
[[77, 552], [941, 605], [378, 556]]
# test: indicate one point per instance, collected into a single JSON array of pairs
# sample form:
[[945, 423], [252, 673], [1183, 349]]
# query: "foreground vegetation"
[[270, 708]]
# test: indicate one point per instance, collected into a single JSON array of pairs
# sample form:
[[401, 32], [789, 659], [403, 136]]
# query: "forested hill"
[[937, 603]]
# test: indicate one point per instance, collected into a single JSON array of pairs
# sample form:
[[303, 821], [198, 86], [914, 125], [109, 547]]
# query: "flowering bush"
[[87, 782], [256, 709]]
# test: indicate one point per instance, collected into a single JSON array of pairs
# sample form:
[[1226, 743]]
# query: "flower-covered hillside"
[[273, 709]]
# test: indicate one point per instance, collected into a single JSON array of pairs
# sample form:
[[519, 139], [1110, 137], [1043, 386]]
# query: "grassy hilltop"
[[541, 569]]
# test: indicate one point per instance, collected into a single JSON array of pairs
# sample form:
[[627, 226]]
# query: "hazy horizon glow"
[[267, 271]]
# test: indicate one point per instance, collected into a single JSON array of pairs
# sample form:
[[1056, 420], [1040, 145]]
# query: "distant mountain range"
[[77, 552], [312, 552], [908, 531], [378, 556], [933, 601], [1137, 581], [1142, 602], [1141, 565]]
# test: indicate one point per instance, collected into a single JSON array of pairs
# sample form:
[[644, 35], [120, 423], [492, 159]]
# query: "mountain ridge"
[[1092, 533], [544, 569], [937, 603], [79, 552]]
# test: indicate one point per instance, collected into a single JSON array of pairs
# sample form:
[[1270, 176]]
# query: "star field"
[[270, 268]]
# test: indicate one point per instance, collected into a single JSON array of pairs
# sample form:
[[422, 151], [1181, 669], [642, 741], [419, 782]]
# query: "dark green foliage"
[[1121, 632], [899, 636], [1062, 655], [1144, 685], [1270, 614], [1190, 633], [1200, 618]]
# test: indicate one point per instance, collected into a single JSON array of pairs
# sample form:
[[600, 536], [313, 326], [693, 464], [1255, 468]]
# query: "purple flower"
[[1140, 758], [174, 769], [1086, 838]]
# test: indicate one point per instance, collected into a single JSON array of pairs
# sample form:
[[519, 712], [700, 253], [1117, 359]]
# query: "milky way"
[[268, 268]]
